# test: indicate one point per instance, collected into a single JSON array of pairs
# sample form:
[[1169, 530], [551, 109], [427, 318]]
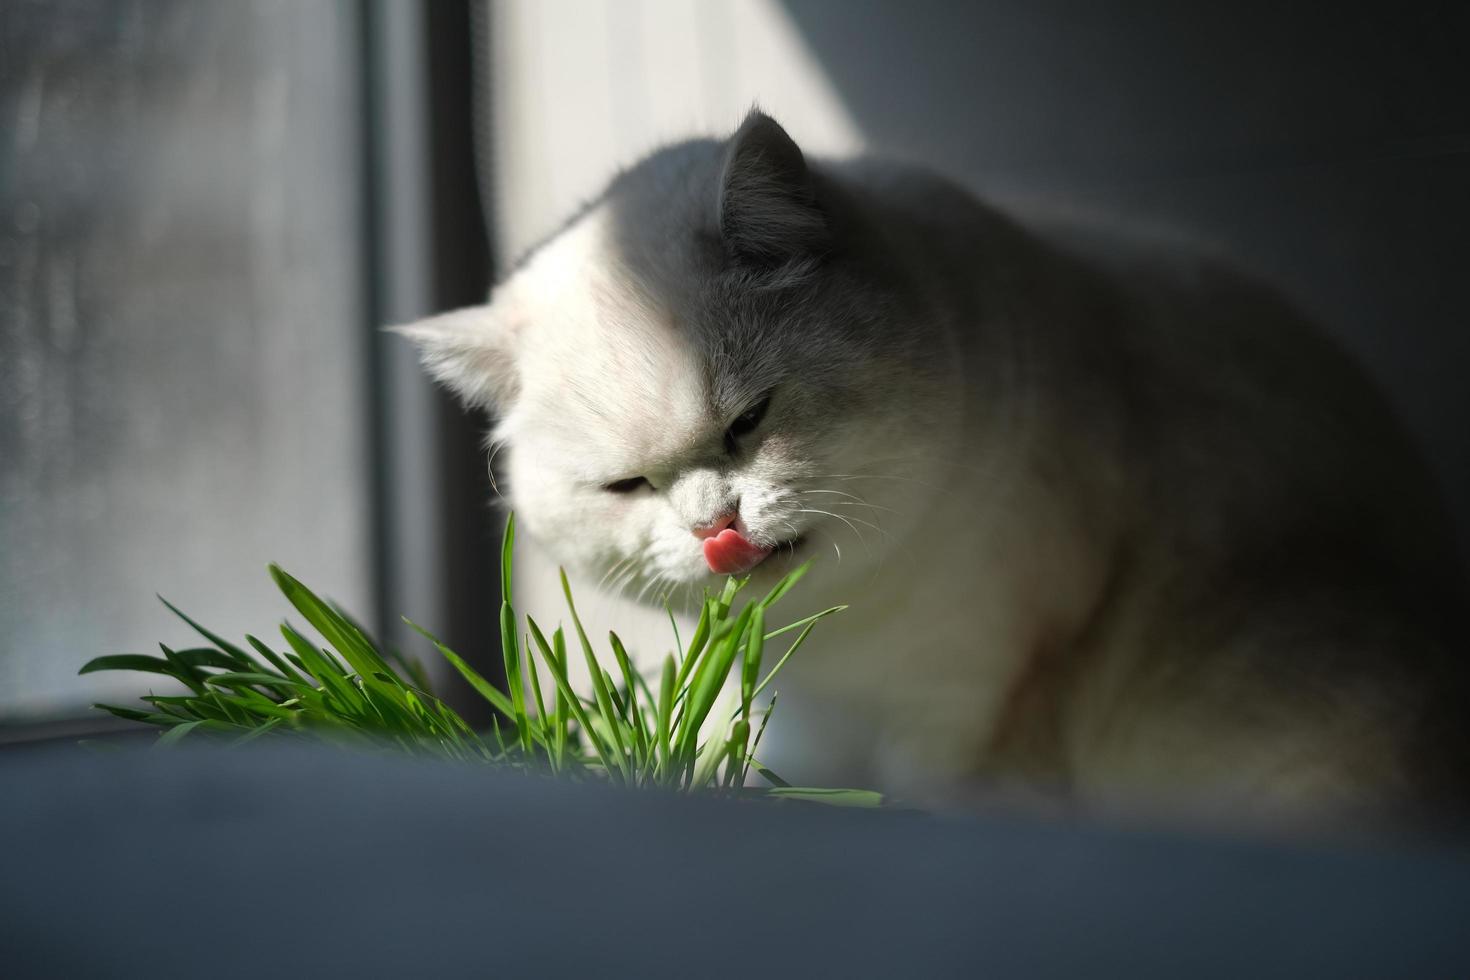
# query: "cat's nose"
[[710, 529]]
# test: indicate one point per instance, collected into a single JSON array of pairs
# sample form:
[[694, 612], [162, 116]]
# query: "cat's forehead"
[[606, 367]]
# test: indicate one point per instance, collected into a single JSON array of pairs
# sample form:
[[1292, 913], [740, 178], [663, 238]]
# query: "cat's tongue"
[[729, 553]]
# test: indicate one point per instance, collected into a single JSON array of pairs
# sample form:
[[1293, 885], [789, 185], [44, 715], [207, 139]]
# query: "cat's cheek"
[[620, 527], [570, 525]]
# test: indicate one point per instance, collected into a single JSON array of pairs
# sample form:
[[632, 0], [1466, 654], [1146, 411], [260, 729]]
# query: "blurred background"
[[209, 207]]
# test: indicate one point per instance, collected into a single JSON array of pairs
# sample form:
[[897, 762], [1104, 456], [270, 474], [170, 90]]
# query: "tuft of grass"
[[351, 691]]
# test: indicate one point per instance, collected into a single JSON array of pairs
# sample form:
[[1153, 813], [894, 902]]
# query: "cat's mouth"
[[731, 553]]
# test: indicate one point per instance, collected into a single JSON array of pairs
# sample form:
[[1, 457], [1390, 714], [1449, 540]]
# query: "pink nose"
[[709, 530]]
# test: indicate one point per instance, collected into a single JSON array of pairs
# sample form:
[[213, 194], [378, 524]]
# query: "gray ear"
[[468, 351], [768, 208]]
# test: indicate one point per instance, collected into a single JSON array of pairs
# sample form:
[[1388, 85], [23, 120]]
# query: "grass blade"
[[507, 550], [750, 667], [242, 659], [796, 645], [828, 797], [486, 690], [708, 678], [756, 744], [574, 705], [129, 661], [665, 716], [177, 733], [599, 686], [787, 582], [343, 636], [510, 650], [556, 725], [696, 643]]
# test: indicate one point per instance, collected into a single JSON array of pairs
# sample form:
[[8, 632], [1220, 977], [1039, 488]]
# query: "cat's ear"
[[469, 352], [768, 209]]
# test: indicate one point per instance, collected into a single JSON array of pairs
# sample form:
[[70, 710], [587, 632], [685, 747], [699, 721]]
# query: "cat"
[[1117, 527]]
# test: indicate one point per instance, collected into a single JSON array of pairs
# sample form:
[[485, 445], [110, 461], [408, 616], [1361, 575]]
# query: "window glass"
[[182, 327]]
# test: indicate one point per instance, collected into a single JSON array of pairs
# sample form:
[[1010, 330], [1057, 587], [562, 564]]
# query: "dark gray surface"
[[132, 863]]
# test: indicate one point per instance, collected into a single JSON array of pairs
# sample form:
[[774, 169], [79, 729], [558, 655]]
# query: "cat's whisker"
[[495, 448], [652, 583], [663, 586], [845, 477], [790, 543], [619, 570], [851, 522], [615, 568], [627, 577], [635, 576], [686, 600], [900, 546], [945, 462], [855, 501], [850, 526], [839, 493], [624, 579], [827, 513], [940, 462]]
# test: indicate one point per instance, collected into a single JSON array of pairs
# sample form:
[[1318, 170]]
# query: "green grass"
[[633, 731]]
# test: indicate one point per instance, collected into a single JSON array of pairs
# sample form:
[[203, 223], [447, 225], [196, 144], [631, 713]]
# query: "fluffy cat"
[[1115, 525]]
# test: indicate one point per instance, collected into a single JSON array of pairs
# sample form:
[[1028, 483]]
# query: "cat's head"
[[715, 367]]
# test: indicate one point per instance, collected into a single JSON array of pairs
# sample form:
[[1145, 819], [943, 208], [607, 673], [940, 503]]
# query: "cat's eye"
[[747, 422], [626, 486]]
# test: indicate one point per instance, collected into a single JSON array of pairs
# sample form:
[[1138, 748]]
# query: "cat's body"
[[1113, 526]]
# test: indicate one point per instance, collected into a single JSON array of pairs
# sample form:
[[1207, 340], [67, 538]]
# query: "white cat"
[[1113, 526]]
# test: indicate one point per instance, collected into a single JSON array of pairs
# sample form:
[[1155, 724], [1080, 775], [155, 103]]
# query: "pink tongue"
[[728, 553]]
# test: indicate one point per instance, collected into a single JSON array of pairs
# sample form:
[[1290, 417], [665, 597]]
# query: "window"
[[193, 218]]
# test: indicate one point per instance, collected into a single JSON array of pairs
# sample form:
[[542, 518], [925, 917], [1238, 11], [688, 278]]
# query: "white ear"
[[469, 351]]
